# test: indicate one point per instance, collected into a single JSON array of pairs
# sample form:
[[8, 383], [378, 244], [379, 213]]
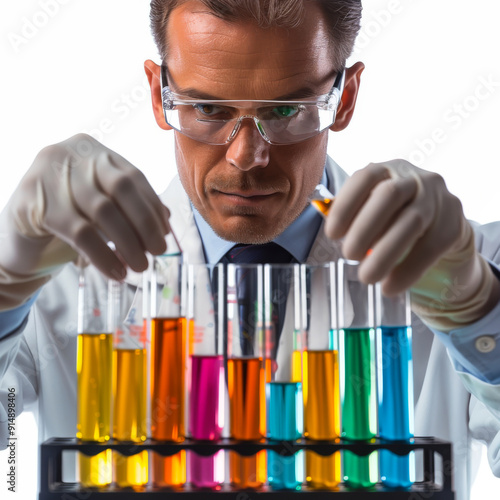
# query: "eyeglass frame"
[[323, 101]]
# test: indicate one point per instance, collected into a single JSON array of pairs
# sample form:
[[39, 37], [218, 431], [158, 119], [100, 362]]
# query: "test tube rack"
[[52, 486]]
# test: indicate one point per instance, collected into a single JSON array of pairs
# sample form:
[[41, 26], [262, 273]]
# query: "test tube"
[[130, 385], [168, 364], [245, 371], [395, 386], [283, 391], [94, 369], [207, 379], [320, 372], [321, 199], [358, 375]]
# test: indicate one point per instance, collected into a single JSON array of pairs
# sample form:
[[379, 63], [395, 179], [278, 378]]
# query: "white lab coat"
[[41, 360]]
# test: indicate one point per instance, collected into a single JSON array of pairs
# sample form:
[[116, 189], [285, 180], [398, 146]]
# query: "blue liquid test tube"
[[283, 392], [395, 386]]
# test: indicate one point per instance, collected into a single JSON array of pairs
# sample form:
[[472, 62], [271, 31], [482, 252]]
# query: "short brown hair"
[[343, 18]]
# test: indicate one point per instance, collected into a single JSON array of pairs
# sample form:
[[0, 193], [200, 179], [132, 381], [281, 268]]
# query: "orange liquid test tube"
[[246, 375], [168, 341]]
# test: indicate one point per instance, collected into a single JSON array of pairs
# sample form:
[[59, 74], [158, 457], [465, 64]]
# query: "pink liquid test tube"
[[207, 381]]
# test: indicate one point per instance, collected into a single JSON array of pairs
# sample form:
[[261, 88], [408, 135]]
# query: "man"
[[252, 187]]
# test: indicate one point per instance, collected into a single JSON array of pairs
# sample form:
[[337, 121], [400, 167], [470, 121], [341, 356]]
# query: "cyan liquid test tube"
[[395, 386], [206, 367], [320, 371], [358, 375], [283, 392], [246, 371]]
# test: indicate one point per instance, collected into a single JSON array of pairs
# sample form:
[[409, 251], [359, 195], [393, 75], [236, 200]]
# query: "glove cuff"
[[457, 291]]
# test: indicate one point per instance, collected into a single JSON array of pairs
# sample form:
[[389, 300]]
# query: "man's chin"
[[249, 232]]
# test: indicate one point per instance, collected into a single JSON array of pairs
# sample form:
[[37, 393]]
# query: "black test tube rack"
[[52, 486]]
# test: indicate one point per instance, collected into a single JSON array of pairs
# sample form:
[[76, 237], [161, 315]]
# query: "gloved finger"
[[136, 207], [376, 216], [351, 197], [86, 239], [395, 245], [109, 220], [139, 182], [439, 240]]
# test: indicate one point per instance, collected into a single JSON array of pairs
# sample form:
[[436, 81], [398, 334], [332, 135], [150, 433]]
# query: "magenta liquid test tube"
[[206, 378]]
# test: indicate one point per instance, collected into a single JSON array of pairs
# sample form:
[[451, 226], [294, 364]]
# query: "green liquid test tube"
[[358, 376]]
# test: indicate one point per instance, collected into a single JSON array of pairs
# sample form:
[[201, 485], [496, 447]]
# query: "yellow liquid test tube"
[[94, 383], [321, 415], [129, 423]]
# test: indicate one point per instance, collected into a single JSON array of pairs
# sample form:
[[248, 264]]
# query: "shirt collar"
[[297, 238]]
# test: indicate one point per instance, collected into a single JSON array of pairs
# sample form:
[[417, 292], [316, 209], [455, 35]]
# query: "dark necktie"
[[269, 253]]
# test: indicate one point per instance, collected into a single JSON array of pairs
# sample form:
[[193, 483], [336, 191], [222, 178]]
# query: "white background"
[[72, 65]]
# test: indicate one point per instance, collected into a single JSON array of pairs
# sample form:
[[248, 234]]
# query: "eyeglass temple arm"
[[339, 83]]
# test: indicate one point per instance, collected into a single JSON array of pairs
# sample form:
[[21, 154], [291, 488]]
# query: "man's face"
[[249, 191]]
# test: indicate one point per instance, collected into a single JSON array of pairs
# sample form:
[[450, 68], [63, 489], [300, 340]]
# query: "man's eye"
[[208, 109], [286, 111]]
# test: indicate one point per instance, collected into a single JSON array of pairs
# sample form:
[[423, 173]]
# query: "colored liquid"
[[359, 404], [206, 472], [297, 366], [94, 367], [129, 415], [206, 415], [285, 472], [321, 395], [321, 415], [284, 403], [168, 341], [247, 472], [206, 418], [323, 206], [169, 471], [396, 404], [96, 471], [285, 423], [360, 472], [131, 471], [322, 472], [246, 382]]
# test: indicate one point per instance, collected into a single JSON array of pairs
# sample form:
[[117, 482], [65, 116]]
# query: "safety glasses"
[[278, 122]]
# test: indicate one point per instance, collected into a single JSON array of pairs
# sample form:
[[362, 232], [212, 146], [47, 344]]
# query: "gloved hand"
[[409, 231], [77, 196]]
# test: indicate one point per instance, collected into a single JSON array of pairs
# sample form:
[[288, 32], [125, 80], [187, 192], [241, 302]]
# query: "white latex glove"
[[409, 231], [77, 196]]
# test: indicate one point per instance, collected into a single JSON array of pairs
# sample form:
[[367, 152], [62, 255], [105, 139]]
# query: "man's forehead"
[[204, 50]]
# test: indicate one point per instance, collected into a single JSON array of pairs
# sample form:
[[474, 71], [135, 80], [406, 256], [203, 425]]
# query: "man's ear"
[[153, 73], [349, 96]]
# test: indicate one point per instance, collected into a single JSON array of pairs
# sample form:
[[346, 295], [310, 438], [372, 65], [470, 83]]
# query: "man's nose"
[[248, 149]]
